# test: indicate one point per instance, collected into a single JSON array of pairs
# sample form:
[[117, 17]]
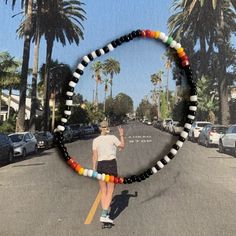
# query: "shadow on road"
[[120, 202]]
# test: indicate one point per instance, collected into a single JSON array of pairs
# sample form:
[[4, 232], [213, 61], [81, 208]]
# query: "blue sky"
[[106, 20]]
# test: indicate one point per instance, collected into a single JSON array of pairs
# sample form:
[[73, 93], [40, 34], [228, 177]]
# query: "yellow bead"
[[157, 34], [81, 170], [180, 50], [107, 177]]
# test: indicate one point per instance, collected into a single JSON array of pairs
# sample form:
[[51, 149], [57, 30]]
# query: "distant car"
[[228, 140], [96, 128], [149, 122], [88, 130], [23, 143], [67, 135], [77, 131], [45, 140], [6, 148], [210, 134], [176, 128], [164, 123], [196, 128]]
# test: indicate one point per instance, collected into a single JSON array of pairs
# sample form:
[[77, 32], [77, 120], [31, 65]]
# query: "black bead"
[[67, 108], [106, 49], [113, 43], [74, 79], [133, 178], [66, 116], [68, 97], [138, 179], [134, 34], [163, 161], [182, 139], [170, 155], [189, 121], [125, 181], [70, 89], [98, 53], [129, 181], [186, 129], [176, 147], [90, 57], [193, 103], [79, 71], [142, 176], [118, 42], [130, 36], [157, 167], [122, 39], [192, 113], [139, 33], [150, 172], [126, 37], [84, 63], [146, 174]]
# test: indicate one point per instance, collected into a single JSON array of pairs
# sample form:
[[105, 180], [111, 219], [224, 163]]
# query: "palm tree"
[[105, 81], [210, 23], [97, 68], [9, 76], [111, 67]]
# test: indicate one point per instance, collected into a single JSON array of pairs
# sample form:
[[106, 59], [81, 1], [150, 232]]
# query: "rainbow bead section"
[[184, 63]]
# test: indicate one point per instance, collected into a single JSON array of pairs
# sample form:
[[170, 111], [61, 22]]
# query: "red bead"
[[148, 33], [72, 163], [185, 63], [116, 180], [143, 33], [185, 58], [121, 180]]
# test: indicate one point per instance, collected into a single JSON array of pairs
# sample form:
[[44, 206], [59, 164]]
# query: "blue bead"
[[95, 173]]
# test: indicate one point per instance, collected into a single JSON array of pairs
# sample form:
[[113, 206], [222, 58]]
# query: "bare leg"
[[109, 193], [103, 189]]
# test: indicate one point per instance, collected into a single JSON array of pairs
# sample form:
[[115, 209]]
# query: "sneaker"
[[106, 219]]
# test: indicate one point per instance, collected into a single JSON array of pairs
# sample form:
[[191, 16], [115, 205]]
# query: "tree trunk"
[[34, 84], [20, 124], [111, 83], [9, 103], [0, 104], [46, 84]]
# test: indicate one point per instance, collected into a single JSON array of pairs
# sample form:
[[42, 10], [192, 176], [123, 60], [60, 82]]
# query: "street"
[[195, 194]]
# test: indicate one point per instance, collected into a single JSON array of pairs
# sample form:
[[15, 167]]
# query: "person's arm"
[[95, 158], [122, 140]]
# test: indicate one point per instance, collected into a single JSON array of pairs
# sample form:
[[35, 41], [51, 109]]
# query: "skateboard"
[[106, 225]]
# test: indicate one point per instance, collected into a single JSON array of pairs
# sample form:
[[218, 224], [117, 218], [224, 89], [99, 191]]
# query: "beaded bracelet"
[[184, 63]]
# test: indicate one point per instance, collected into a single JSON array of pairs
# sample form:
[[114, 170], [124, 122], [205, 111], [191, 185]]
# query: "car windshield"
[[202, 124], [16, 137], [218, 129], [41, 134]]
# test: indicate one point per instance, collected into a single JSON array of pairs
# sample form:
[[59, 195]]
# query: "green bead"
[[169, 41]]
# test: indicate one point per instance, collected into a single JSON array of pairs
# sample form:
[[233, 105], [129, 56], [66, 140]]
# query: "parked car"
[[149, 122], [88, 130], [196, 128], [164, 123], [210, 134], [228, 140], [6, 148], [176, 128], [67, 135], [77, 131], [45, 140], [96, 128], [157, 124], [23, 143]]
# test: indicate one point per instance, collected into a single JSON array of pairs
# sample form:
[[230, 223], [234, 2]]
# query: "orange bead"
[[152, 34], [77, 168], [157, 34], [112, 178], [181, 54]]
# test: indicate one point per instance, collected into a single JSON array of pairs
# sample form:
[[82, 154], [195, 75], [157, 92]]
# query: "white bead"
[[99, 176], [177, 46], [94, 55], [68, 93], [76, 75], [90, 173], [154, 170], [85, 173], [173, 151], [184, 134], [179, 143], [162, 36], [103, 177], [86, 59], [67, 112], [167, 159], [191, 117], [102, 51], [193, 98], [80, 66], [192, 108], [110, 47], [188, 126], [72, 84], [165, 38], [160, 164], [69, 102], [64, 120], [61, 128], [173, 44]]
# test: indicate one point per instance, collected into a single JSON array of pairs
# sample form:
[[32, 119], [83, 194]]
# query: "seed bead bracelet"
[[183, 63]]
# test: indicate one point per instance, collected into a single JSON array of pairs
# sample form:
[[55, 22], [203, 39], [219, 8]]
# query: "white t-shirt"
[[106, 146]]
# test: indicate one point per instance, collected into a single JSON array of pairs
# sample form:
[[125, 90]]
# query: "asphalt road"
[[195, 194]]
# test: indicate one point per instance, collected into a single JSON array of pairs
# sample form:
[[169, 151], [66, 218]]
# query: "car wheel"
[[199, 143], [24, 153], [234, 151], [221, 148], [206, 143], [36, 149], [10, 156]]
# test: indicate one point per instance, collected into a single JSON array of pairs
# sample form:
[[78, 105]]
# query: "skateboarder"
[[104, 155]]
